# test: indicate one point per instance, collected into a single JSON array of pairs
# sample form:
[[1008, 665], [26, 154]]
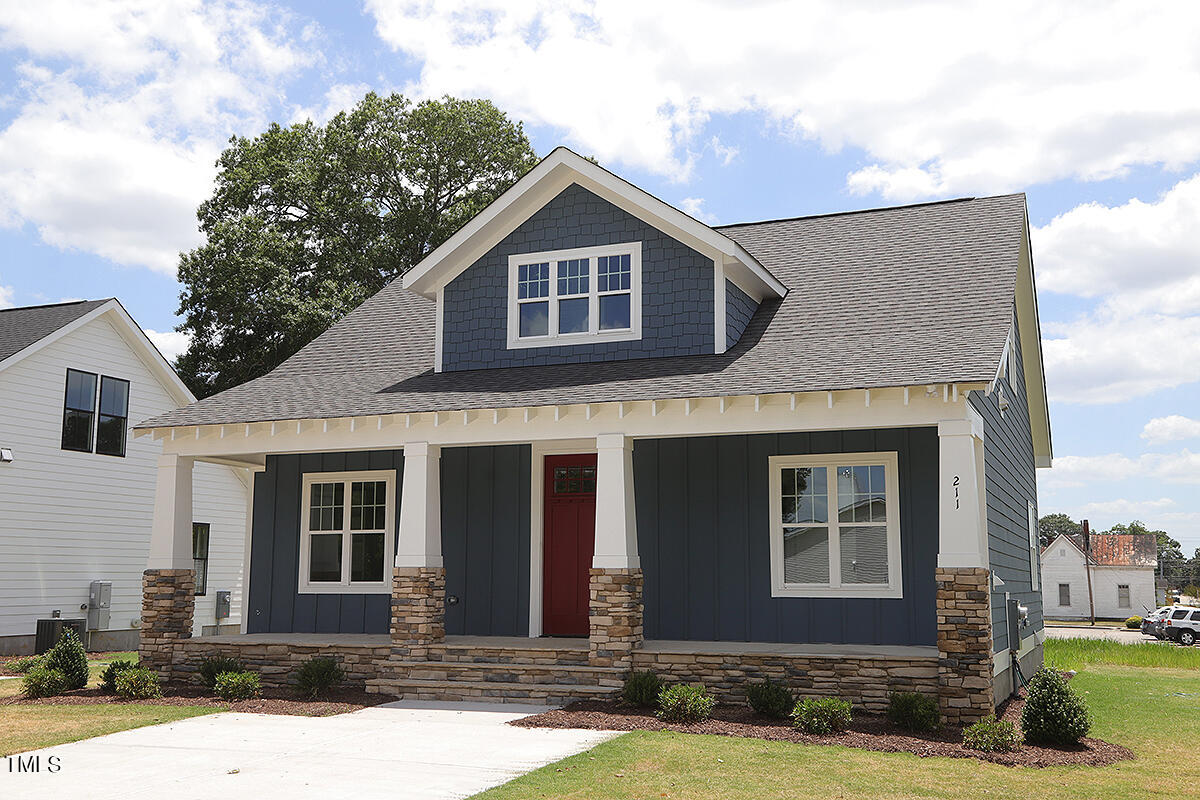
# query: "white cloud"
[[123, 107], [6, 297], [339, 97], [1133, 509], [944, 97], [1069, 472], [694, 207], [170, 343], [1171, 429]]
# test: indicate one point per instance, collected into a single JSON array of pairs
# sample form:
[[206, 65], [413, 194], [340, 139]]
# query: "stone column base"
[[615, 616], [168, 604], [964, 638], [418, 610]]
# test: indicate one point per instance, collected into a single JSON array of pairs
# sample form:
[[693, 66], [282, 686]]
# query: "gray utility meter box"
[[99, 603], [223, 604]]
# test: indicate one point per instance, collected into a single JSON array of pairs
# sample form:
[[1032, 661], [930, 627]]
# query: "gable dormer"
[[573, 264]]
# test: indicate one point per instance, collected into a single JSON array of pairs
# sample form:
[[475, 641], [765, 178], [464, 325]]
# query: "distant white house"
[[1122, 576], [77, 490]]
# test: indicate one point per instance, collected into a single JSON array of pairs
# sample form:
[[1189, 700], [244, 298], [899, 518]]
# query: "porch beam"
[[171, 526], [420, 541], [616, 522]]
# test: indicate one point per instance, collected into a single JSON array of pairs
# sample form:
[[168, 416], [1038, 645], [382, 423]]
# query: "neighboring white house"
[[1122, 576], [77, 491]]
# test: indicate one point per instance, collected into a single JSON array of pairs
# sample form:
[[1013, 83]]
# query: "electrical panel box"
[[99, 605], [223, 604]]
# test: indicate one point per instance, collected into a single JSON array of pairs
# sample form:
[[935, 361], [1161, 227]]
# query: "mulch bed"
[[867, 732], [273, 701]]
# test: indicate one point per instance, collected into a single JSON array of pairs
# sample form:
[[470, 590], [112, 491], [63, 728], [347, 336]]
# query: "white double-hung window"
[[347, 532], [588, 294], [835, 526]]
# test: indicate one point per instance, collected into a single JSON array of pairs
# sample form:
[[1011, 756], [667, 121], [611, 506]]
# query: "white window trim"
[[304, 586], [593, 334], [1034, 548], [894, 587]]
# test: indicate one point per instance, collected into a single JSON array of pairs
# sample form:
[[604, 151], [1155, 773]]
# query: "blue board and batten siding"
[[1010, 480], [677, 290], [275, 605], [703, 538], [739, 308], [485, 544]]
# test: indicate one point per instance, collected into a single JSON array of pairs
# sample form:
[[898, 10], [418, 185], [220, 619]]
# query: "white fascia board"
[[1029, 332], [54, 336], [640, 419], [553, 174]]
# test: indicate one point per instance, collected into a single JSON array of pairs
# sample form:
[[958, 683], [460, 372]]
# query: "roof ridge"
[[56, 305], [864, 210]]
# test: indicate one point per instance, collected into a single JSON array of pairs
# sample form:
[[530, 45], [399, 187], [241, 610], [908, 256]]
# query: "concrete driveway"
[[1112, 634], [399, 750]]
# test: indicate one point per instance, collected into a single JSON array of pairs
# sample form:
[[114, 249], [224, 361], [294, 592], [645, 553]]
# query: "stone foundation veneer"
[[615, 616], [964, 639], [276, 663], [168, 603], [418, 610]]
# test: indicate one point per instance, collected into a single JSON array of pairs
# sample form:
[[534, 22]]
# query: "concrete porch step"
[[493, 691], [517, 673], [529, 651]]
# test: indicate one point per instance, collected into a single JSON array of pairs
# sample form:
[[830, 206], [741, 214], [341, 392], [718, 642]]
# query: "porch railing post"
[[615, 605], [169, 582]]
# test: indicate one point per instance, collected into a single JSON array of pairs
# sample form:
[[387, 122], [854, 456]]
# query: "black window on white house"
[[1064, 594], [95, 413], [1123, 595], [200, 556]]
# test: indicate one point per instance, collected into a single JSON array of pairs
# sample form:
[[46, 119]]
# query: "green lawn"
[[1153, 711], [29, 727]]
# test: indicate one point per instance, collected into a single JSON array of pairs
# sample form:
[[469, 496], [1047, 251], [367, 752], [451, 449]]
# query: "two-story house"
[[77, 492], [589, 433]]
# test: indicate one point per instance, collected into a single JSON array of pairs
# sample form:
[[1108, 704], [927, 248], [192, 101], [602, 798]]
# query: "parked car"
[[1183, 625], [1152, 623]]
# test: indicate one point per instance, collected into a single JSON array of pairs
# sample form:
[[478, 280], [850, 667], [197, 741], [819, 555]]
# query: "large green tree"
[[307, 221], [1053, 525]]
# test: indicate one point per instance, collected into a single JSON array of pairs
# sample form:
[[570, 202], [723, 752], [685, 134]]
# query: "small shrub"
[[770, 699], [991, 735], [642, 689], [318, 675], [1054, 714], [137, 683], [108, 678], [683, 703], [237, 686], [914, 712], [69, 658], [821, 715], [212, 666], [1134, 622], [41, 681], [25, 663]]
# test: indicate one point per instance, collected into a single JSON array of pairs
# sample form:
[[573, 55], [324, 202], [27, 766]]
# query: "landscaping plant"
[[212, 666], [914, 711], [1054, 713], [318, 675], [1134, 622], [237, 686], [991, 735], [770, 699], [25, 663], [683, 703], [69, 658], [821, 715], [137, 683], [108, 678], [41, 681], [642, 689]]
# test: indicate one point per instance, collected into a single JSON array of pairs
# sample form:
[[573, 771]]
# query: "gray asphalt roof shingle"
[[21, 327], [891, 297]]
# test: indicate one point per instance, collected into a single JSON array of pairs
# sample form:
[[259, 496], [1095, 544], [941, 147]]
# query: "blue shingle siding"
[[739, 308], [677, 290], [1010, 481], [704, 541]]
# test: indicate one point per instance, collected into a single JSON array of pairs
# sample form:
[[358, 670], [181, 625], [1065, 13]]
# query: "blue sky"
[[112, 114]]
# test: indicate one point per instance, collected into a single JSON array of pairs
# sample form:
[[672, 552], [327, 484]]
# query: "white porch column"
[[616, 521], [420, 541], [171, 529], [962, 513]]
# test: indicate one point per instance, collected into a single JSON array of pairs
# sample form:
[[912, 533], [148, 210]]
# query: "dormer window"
[[589, 294]]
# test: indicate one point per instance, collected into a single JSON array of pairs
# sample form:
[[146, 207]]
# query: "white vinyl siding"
[[1062, 563], [92, 517]]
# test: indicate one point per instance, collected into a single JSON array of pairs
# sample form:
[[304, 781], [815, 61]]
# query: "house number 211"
[[956, 492]]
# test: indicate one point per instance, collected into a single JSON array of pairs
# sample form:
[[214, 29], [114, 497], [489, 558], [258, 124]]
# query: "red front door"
[[570, 538]]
